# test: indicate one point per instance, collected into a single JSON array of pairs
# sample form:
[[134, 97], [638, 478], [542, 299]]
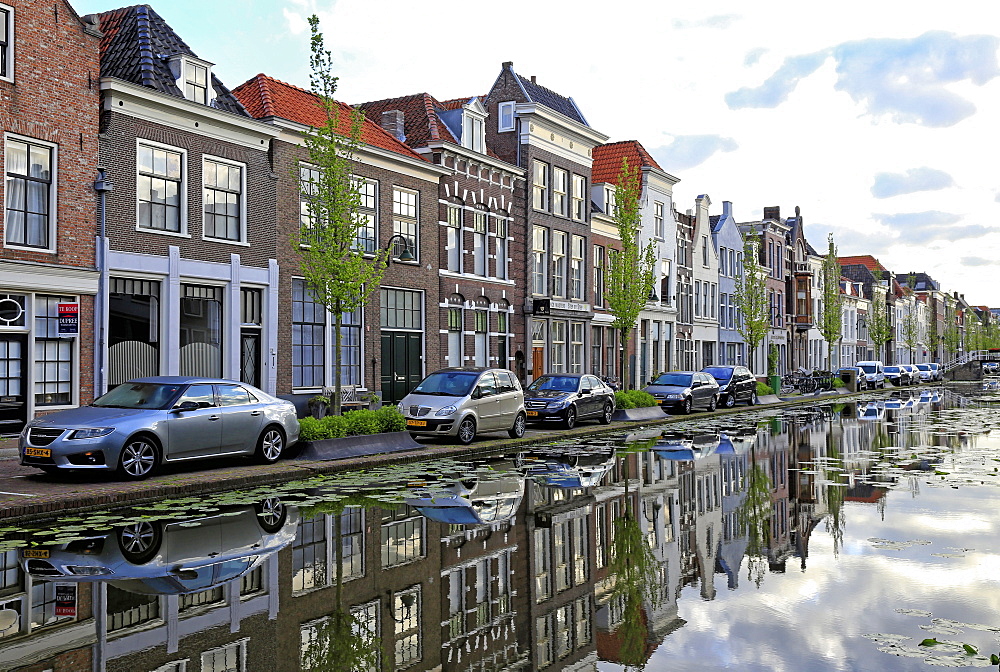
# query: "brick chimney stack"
[[392, 122]]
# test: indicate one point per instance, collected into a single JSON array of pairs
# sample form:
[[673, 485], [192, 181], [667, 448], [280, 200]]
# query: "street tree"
[[631, 270], [879, 326], [952, 337], [750, 297], [831, 321], [911, 322], [934, 337], [338, 275]]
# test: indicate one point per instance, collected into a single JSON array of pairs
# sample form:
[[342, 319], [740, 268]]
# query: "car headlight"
[[399, 407], [557, 404], [81, 570], [447, 410], [91, 432], [674, 396]]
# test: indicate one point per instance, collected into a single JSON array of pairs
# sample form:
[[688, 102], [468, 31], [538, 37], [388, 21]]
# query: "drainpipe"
[[102, 186]]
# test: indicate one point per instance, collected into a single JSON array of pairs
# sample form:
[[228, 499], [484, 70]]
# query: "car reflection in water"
[[680, 447], [172, 558], [576, 469], [471, 501]]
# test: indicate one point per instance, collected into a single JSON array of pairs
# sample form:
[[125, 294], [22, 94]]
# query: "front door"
[[537, 362], [13, 383], [401, 364], [250, 357]]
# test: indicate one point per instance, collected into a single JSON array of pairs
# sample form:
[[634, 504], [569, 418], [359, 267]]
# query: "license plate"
[[34, 553], [532, 413], [416, 423], [37, 452]]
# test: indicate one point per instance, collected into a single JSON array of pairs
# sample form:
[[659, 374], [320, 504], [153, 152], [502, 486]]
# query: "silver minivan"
[[465, 401], [872, 375]]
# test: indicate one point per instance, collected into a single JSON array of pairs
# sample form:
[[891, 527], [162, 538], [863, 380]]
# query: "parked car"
[[874, 374], [684, 391], [464, 401], [914, 372], [898, 375], [937, 369], [736, 383], [141, 424], [926, 373], [567, 398]]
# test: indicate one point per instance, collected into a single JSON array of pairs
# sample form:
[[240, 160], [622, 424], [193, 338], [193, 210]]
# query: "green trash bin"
[[775, 383]]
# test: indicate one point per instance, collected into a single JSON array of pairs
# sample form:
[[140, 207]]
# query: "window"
[[308, 186], [576, 347], [201, 331], [196, 82], [543, 564], [401, 309], [223, 200], [309, 563], [658, 230], [704, 250], [665, 295], [609, 200], [308, 325], [714, 290], [231, 658], [472, 131], [723, 270], [560, 186], [540, 191], [404, 221], [540, 261], [455, 336], [505, 112], [454, 243], [406, 614], [559, 347], [578, 203], [501, 250], [6, 43], [576, 268], [29, 193], [402, 539], [350, 348], [599, 271], [558, 263], [697, 298], [479, 242], [53, 354], [160, 188], [503, 353], [482, 319], [366, 237]]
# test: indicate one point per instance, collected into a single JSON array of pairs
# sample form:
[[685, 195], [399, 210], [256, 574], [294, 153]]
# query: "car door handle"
[[254, 412], [213, 417]]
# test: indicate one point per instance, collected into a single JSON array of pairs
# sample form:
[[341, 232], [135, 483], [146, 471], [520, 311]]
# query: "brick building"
[[385, 345], [48, 114]]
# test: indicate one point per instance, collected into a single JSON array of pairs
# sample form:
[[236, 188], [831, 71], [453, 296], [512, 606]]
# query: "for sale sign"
[[69, 319], [66, 599]]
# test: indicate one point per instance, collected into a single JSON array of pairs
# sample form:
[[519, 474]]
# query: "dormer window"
[[506, 114], [194, 78], [473, 132]]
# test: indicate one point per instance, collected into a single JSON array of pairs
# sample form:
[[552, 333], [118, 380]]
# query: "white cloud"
[[687, 151], [915, 179]]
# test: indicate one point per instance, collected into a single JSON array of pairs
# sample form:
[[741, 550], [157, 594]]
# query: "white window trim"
[[53, 195], [183, 233], [178, 68], [500, 113], [405, 218], [242, 242], [11, 41]]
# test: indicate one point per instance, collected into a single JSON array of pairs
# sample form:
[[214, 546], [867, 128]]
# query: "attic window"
[[194, 78], [506, 114], [473, 128]]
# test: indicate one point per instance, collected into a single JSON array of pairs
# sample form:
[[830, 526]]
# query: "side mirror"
[[696, 383], [477, 393], [185, 406], [585, 390]]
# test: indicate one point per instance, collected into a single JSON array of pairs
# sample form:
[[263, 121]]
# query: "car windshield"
[[558, 383], [892, 369], [447, 383], [720, 373], [924, 367], [868, 368], [682, 379], [138, 395]]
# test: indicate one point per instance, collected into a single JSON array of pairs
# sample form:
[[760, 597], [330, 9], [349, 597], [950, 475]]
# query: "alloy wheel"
[[270, 446], [467, 431], [138, 458]]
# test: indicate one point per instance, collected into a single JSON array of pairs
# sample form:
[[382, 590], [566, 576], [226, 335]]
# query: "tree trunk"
[[623, 338], [338, 321]]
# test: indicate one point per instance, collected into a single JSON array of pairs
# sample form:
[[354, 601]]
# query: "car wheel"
[[466, 431], [271, 514], [139, 542], [517, 429], [607, 414], [712, 403], [729, 400], [570, 421], [269, 445], [139, 458], [686, 406], [754, 399]]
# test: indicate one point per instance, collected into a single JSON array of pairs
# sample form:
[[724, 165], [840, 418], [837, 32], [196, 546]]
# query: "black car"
[[897, 375], [736, 383], [684, 390], [567, 398]]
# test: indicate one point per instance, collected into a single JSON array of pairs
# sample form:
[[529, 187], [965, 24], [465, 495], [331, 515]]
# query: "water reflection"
[[708, 547]]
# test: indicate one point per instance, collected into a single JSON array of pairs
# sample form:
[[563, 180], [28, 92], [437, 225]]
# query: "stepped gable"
[[266, 97], [608, 160], [136, 47]]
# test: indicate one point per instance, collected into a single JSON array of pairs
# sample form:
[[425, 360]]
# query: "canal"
[[847, 536]]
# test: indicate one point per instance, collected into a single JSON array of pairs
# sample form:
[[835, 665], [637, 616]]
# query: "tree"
[[952, 338], [339, 277], [911, 323], [831, 323], [879, 327], [631, 270], [751, 297], [934, 337]]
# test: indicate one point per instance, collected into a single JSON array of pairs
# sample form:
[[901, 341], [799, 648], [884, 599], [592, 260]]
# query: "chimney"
[[508, 65], [773, 212], [533, 79], [727, 209], [392, 122]]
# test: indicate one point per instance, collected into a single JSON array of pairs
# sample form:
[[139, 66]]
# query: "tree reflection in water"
[[754, 516]]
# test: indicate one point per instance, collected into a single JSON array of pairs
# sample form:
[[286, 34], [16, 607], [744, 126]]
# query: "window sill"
[[160, 232], [225, 241], [28, 248]]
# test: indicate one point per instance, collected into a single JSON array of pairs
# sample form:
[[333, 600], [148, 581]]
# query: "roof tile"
[[608, 160]]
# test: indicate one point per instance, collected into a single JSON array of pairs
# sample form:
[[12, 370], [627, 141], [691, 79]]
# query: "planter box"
[[635, 414], [355, 446]]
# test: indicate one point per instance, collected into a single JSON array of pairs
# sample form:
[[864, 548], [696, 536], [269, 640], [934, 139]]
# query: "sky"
[[878, 119]]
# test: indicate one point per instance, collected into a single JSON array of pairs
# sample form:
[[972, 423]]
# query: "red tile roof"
[[608, 160], [421, 123], [264, 96], [866, 260]]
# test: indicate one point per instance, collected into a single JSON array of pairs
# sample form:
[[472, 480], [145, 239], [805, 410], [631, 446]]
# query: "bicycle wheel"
[[807, 385]]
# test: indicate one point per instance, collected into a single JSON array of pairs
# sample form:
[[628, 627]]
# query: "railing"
[[965, 358]]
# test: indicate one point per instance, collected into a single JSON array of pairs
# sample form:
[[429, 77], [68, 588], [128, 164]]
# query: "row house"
[[728, 243], [684, 332], [854, 333], [657, 229], [385, 346], [546, 135], [773, 256], [928, 290], [874, 280], [804, 300], [705, 278], [49, 98], [480, 232]]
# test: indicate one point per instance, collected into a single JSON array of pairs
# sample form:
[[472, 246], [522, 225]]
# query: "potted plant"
[[374, 401], [318, 406]]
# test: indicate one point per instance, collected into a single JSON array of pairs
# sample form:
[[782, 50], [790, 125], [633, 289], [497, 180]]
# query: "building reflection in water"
[[507, 572]]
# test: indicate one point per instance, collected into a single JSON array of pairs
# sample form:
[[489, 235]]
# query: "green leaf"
[[970, 649], [994, 659], [929, 642]]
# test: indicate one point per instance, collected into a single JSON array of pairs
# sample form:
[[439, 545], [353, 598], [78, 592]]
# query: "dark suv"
[[736, 383]]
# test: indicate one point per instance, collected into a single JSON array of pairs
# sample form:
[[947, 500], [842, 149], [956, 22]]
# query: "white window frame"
[[183, 233], [454, 238], [577, 289], [560, 191], [53, 194], [540, 260], [473, 131], [560, 263], [370, 212], [578, 203], [179, 68], [7, 42], [658, 229], [205, 159], [505, 108], [241, 652], [398, 217], [540, 190]]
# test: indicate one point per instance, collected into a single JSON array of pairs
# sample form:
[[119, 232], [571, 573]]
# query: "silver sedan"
[[146, 422]]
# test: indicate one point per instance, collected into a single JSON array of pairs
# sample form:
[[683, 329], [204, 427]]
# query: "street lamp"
[[405, 255]]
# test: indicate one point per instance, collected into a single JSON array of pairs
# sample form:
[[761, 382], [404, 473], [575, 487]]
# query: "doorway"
[[13, 383], [402, 367]]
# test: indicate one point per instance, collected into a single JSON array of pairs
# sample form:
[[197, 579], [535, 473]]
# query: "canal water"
[[847, 536]]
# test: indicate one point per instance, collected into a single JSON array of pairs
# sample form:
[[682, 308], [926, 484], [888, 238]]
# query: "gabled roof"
[[866, 260], [265, 97], [421, 122], [537, 93], [136, 48], [608, 160]]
